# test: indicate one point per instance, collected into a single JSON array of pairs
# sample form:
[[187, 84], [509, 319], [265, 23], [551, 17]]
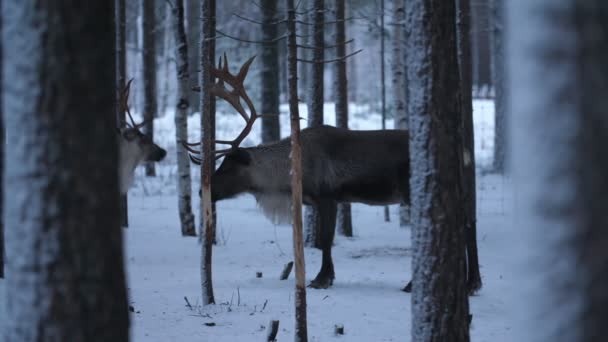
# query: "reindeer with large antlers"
[[339, 165], [135, 147]]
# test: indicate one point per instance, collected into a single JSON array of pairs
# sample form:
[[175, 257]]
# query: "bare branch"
[[325, 46], [256, 21], [251, 41], [329, 60]]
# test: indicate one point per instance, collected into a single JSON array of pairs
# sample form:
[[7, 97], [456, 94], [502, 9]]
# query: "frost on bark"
[[312, 220], [121, 77], [560, 161], [440, 307], [149, 74], [463, 28], [207, 233], [193, 34], [344, 218], [64, 241], [269, 74], [399, 84], [301, 330], [184, 182], [500, 89]]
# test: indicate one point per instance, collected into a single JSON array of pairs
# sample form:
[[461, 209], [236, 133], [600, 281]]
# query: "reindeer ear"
[[241, 156]]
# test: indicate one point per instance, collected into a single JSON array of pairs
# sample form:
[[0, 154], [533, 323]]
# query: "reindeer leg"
[[327, 213]]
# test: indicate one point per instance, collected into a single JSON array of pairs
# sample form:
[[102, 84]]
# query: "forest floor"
[[371, 268]]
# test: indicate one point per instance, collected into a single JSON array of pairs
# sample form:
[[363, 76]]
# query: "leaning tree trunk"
[[500, 89], [315, 111], [301, 330], [64, 242], [560, 133], [121, 77], [193, 34], [184, 182], [399, 85], [207, 159], [463, 25], [269, 74], [149, 74], [440, 307], [344, 221]]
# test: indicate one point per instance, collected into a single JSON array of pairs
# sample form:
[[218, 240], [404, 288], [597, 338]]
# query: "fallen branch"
[[273, 330], [286, 270]]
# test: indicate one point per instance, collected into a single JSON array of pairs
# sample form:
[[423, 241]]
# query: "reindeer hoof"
[[321, 283], [408, 287]]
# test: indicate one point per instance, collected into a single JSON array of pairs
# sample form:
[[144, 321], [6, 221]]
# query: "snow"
[[371, 268]]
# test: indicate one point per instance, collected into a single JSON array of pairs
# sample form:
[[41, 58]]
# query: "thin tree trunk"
[[500, 89], [344, 218], [166, 59], [399, 86], [208, 160], [121, 77], [440, 307], [149, 75], [301, 330], [184, 182], [269, 74], [213, 103], [64, 242], [193, 34], [480, 47], [312, 220], [559, 139], [1, 160], [387, 215]]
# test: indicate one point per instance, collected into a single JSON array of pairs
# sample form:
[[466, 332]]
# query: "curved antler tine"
[[194, 159], [244, 70], [226, 69]]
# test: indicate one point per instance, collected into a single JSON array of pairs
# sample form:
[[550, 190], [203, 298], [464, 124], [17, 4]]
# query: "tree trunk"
[[481, 57], [64, 241], [463, 28], [121, 77], [560, 134], [213, 103], [208, 160], [312, 221], [399, 86], [301, 330], [1, 161], [149, 74], [344, 218], [440, 307], [269, 73], [194, 60], [184, 182], [387, 216], [500, 89]]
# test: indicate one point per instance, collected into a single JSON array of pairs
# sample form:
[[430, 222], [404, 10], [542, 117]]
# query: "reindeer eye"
[[129, 134]]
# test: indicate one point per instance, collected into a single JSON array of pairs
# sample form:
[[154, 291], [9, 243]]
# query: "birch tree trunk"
[[560, 161], [149, 74], [207, 159], [193, 34], [344, 218], [440, 308], [500, 88], [312, 221], [269, 75], [121, 77], [184, 182], [64, 242], [301, 330]]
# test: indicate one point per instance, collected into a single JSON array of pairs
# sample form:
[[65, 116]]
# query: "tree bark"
[[387, 215], [500, 89], [440, 307], [208, 160], [269, 74], [121, 78], [194, 60], [560, 133], [344, 221], [149, 74], [64, 241], [1, 160], [480, 47], [315, 111], [184, 182], [301, 330]]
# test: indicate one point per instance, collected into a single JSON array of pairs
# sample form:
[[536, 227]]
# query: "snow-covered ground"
[[163, 267]]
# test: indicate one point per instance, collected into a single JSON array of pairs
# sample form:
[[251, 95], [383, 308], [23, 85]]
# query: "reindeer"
[[339, 165], [134, 146]]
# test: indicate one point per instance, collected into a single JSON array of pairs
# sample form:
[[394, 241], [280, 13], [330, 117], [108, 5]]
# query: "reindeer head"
[[134, 146]]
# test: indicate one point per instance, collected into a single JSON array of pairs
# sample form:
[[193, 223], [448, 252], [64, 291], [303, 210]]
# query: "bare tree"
[[207, 231], [440, 307], [315, 109], [184, 182], [64, 240], [271, 129], [560, 161], [344, 221], [500, 89], [301, 330], [193, 34], [121, 77], [149, 74]]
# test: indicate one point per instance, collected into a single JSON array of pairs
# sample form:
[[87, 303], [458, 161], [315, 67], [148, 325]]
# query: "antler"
[[233, 97], [124, 105]]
